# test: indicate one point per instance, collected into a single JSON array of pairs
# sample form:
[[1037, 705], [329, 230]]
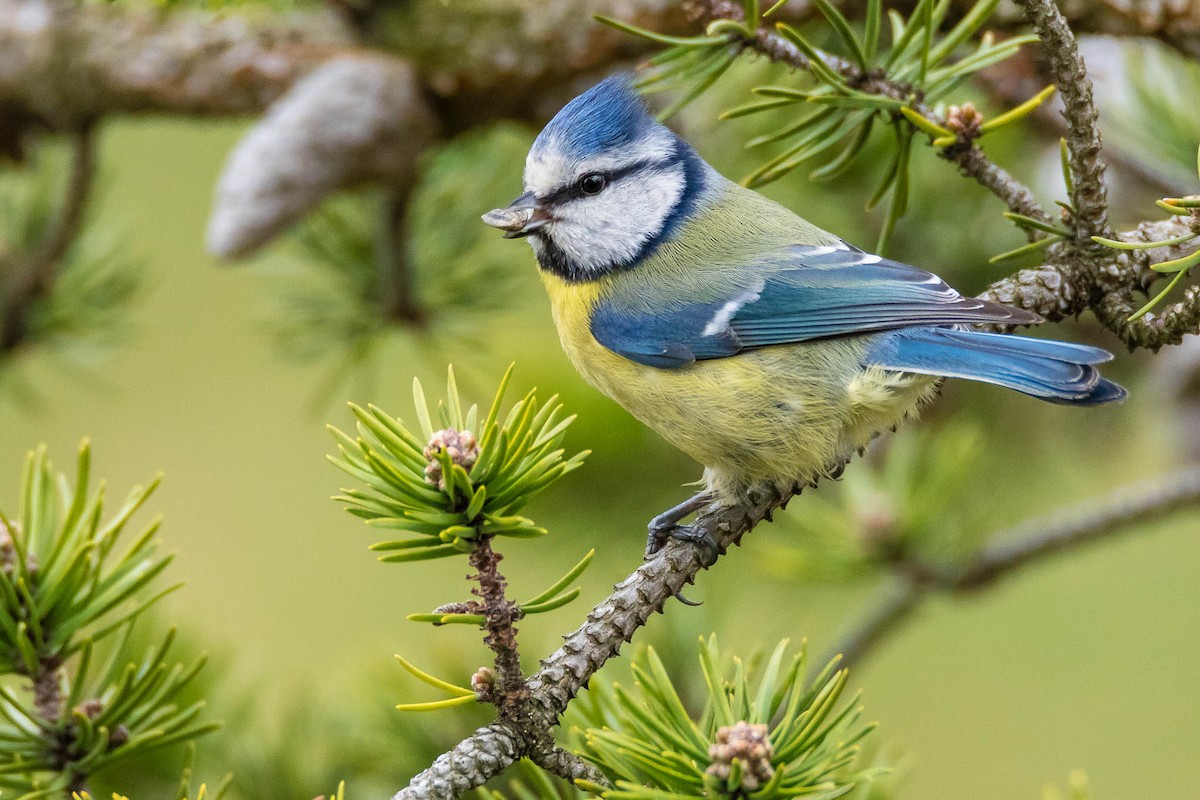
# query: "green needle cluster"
[[444, 488], [64, 589], [762, 736]]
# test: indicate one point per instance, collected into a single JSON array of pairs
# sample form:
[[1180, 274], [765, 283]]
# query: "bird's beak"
[[519, 218]]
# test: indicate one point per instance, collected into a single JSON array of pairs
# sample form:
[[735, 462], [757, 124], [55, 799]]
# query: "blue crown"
[[610, 115]]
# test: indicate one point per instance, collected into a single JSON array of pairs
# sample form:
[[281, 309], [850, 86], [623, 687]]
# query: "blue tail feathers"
[[1059, 372]]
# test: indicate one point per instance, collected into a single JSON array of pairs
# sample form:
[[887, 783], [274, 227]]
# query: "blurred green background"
[[1084, 662]]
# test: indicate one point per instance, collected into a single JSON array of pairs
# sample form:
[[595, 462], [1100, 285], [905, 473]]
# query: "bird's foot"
[[662, 527], [701, 538], [666, 526]]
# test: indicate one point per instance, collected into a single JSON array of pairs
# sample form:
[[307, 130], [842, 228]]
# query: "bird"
[[767, 349]]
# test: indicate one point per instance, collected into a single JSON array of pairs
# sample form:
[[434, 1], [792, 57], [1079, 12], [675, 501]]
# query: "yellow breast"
[[779, 415]]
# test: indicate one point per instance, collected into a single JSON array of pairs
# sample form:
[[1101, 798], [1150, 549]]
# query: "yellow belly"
[[776, 416]]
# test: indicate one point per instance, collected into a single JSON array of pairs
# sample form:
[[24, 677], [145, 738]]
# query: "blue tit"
[[766, 348]]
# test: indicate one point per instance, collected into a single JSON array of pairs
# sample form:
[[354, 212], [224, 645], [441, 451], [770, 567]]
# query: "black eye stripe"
[[572, 190]]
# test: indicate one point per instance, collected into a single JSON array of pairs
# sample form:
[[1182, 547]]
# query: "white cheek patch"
[[611, 228], [724, 315]]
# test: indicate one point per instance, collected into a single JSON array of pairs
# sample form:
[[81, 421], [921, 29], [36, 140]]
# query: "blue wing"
[[806, 293], [1059, 372]]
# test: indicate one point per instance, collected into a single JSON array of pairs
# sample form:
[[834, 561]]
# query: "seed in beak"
[[508, 219]]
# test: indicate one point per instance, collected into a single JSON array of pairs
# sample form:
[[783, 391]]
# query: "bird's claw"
[[702, 538], [662, 527]]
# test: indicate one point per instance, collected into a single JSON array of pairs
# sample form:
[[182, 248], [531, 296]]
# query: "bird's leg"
[[666, 525]]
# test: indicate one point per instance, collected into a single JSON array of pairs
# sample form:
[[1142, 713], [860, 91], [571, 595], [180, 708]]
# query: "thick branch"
[[65, 63]]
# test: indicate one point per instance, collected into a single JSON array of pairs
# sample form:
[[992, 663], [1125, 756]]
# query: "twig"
[[1018, 547], [1079, 525], [70, 216], [1089, 194], [895, 604], [36, 276], [397, 289], [564, 764], [975, 164], [499, 614]]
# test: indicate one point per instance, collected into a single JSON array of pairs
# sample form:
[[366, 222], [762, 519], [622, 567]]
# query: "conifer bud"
[[964, 120], [747, 744], [484, 684], [460, 445]]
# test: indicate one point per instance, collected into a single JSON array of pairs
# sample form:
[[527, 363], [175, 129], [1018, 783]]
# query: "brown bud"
[[964, 120], [120, 736], [91, 708], [459, 445], [747, 744], [484, 684]]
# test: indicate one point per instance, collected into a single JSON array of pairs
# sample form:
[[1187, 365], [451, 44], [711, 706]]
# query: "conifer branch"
[[1089, 195], [1066, 287], [969, 158], [613, 621]]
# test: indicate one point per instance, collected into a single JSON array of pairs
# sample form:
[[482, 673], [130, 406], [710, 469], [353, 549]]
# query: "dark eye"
[[592, 183]]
